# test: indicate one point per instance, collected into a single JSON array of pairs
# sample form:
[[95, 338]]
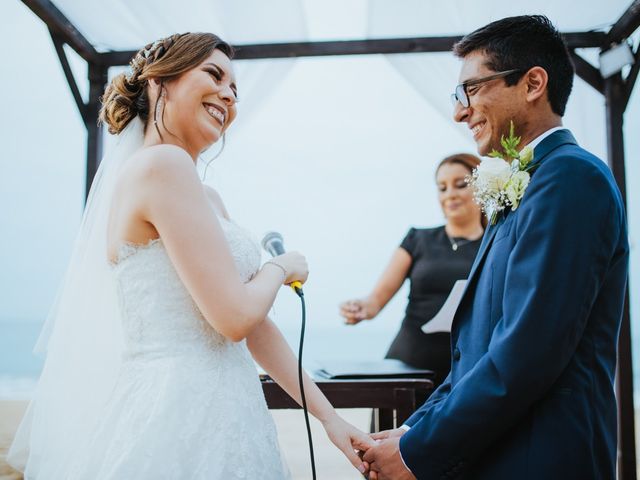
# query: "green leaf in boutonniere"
[[510, 144]]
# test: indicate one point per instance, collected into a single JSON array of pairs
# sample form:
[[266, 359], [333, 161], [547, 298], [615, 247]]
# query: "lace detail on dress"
[[128, 248], [188, 402]]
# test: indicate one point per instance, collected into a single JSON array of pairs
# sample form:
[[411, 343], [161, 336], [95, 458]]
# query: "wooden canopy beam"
[[66, 68], [65, 30], [587, 72], [356, 47], [626, 24]]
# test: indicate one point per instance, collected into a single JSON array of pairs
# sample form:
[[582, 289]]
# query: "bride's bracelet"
[[284, 271]]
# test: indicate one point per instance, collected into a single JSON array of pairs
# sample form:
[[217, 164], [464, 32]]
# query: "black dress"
[[434, 269]]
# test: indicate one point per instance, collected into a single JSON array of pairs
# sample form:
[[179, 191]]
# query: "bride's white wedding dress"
[[188, 403]]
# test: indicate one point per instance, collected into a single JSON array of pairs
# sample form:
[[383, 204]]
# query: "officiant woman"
[[432, 259]]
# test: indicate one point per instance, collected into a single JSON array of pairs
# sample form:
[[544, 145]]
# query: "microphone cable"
[[273, 243], [298, 289]]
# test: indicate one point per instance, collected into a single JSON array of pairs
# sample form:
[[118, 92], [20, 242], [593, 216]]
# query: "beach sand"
[[10, 414], [330, 463]]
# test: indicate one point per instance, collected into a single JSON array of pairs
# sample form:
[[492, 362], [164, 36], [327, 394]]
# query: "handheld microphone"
[[273, 243]]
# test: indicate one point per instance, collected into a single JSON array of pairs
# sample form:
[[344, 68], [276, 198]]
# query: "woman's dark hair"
[[468, 161], [521, 43], [127, 95]]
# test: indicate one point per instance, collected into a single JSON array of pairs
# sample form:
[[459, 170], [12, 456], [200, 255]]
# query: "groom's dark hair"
[[521, 43]]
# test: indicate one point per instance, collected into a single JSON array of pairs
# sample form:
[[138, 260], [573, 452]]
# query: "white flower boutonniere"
[[500, 181]]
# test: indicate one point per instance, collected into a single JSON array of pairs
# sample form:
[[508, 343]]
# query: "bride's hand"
[[349, 440], [295, 265]]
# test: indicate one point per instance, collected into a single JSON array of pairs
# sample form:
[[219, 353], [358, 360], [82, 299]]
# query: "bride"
[[149, 371]]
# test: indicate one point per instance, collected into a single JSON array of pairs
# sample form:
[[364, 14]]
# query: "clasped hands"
[[381, 457]]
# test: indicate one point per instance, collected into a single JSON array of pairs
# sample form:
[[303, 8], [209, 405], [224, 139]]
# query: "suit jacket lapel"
[[487, 239], [542, 150], [549, 144]]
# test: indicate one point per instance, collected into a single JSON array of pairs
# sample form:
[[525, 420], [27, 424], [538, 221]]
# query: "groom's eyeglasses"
[[461, 95]]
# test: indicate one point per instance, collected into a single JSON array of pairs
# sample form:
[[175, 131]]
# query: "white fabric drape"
[[435, 75], [82, 337], [128, 24]]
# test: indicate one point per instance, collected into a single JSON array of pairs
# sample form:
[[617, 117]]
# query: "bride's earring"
[[159, 103]]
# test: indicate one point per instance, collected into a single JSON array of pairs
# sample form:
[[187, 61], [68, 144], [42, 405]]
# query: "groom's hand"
[[384, 460], [384, 434], [396, 432]]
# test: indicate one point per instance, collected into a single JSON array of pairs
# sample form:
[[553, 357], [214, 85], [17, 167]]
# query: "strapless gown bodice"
[[160, 319], [188, 403]]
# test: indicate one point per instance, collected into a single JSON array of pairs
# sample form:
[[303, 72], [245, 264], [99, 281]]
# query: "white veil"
[[82, 337]]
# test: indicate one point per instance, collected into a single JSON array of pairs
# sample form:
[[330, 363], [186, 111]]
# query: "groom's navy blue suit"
[[530, 394]]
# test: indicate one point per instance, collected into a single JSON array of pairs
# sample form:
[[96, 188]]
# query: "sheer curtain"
[[124, 25], [435, 75]]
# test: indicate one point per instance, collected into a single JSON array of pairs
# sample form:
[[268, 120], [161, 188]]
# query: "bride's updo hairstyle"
[[164, 60]]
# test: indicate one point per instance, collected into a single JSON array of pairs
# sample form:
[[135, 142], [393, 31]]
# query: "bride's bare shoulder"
[[158, 171], [159, 168], [161, 160]]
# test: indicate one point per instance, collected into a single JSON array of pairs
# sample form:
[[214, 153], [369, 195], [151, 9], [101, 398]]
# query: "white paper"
[[444, 318]]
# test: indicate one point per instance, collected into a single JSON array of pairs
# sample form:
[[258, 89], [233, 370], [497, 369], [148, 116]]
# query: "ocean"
[[20, 367]]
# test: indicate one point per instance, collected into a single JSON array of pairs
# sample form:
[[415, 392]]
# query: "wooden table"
[[393, 400]]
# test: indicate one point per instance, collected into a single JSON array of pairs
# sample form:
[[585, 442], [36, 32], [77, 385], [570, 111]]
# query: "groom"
[[530, 394]]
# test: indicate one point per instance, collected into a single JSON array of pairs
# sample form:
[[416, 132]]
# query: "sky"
[[336, 153]]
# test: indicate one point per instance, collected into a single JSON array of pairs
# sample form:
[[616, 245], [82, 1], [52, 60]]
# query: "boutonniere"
[[499, 182]]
